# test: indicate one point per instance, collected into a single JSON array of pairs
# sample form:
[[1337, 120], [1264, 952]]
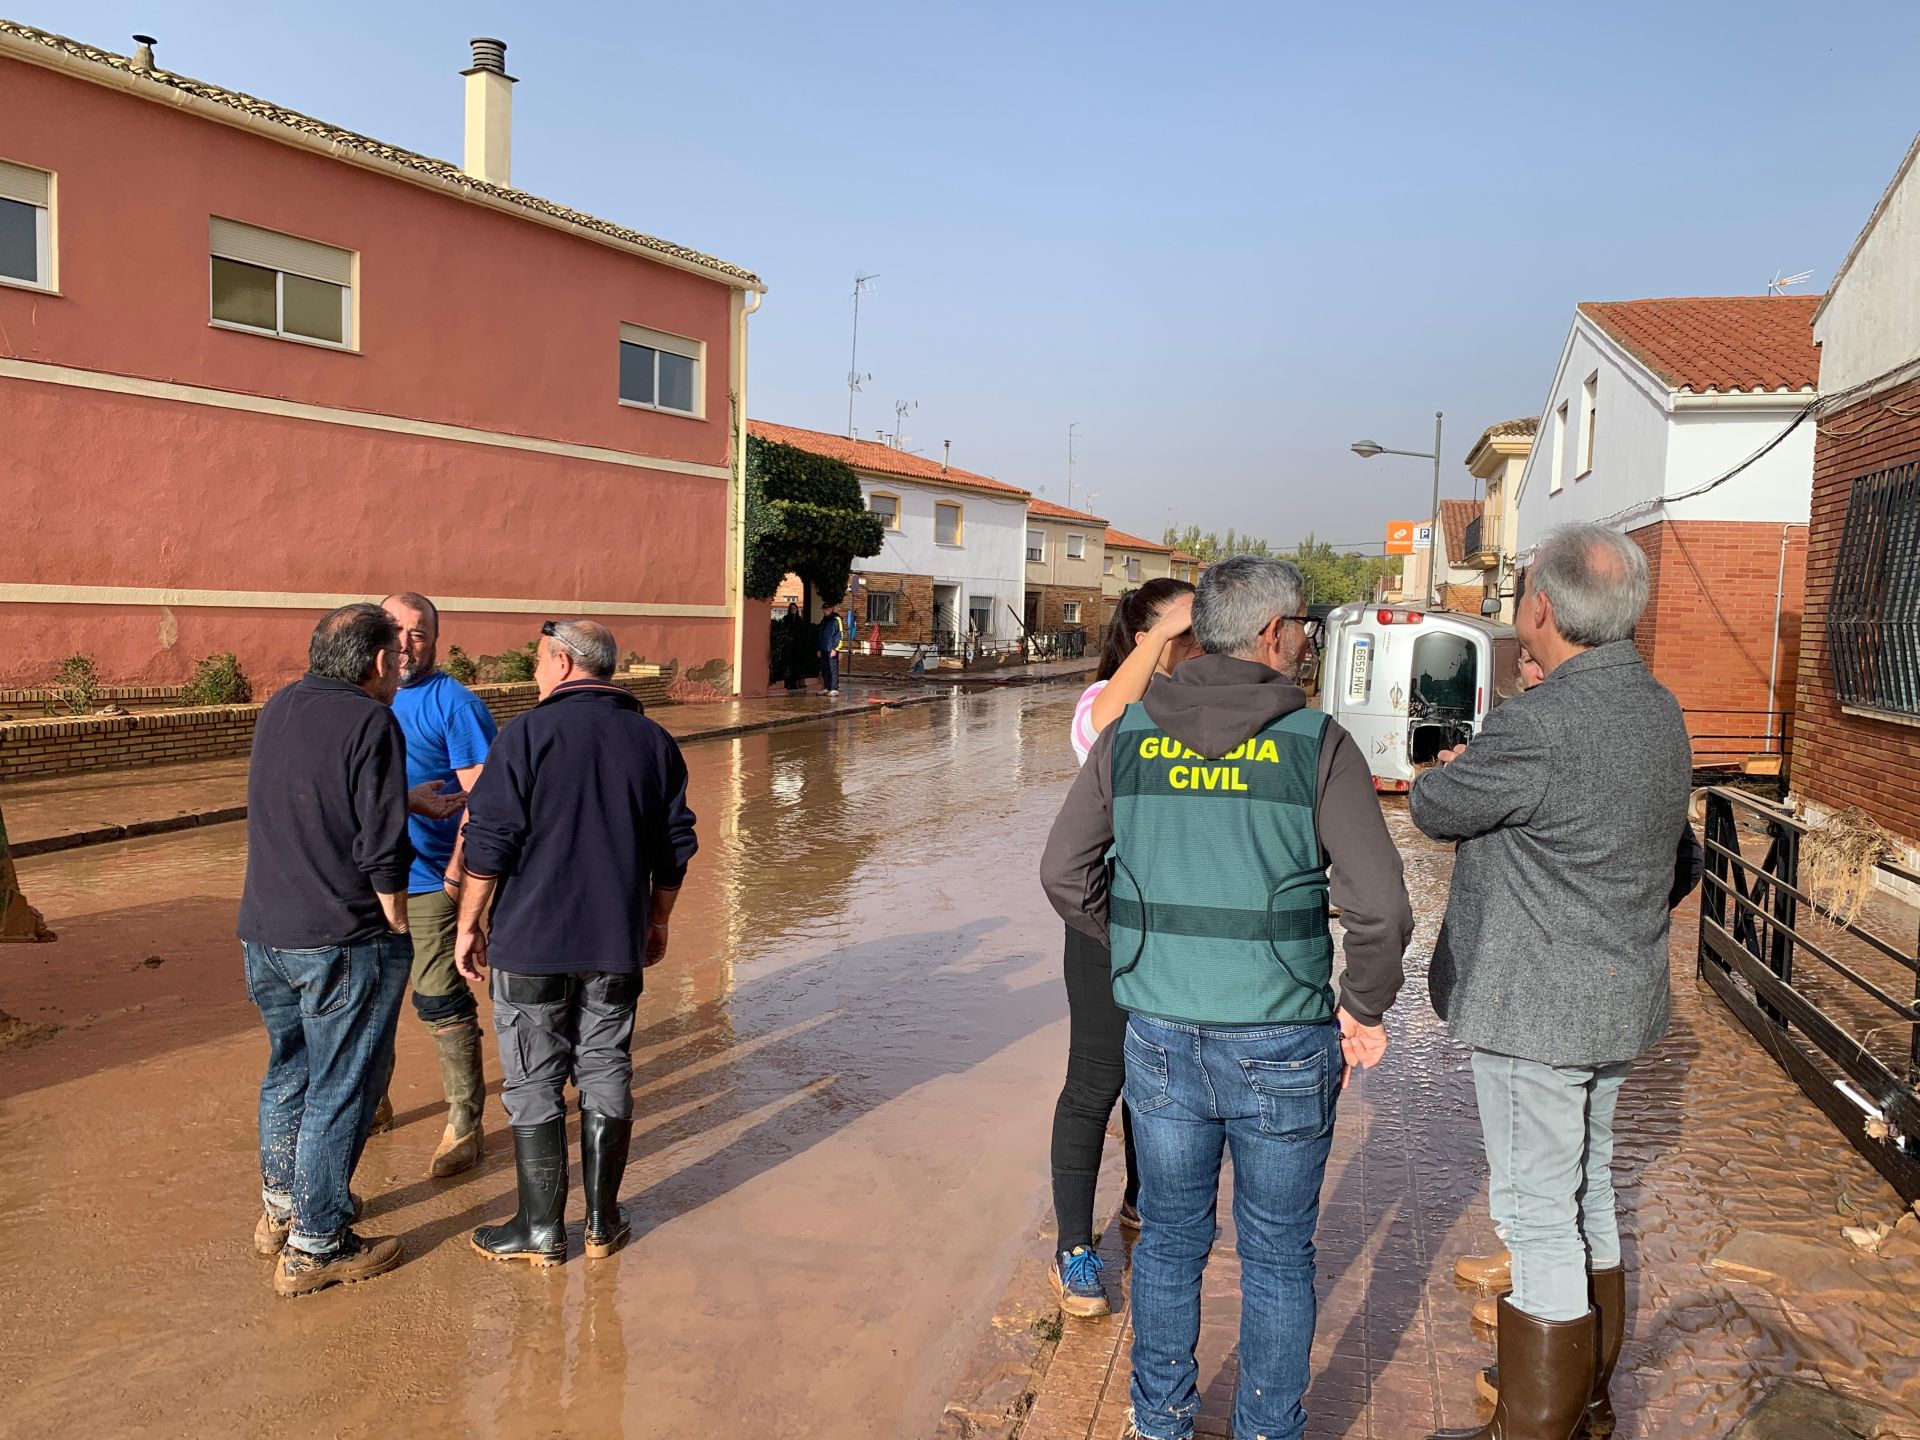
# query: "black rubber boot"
[[537, 1233], [603, 1161]]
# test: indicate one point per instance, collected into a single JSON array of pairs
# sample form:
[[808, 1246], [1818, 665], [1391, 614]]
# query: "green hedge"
[[805, 516]]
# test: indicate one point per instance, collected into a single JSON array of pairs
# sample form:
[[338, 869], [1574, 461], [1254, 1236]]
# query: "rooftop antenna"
[[901, 409], [1070, 429], [854, 377], [1778, 285]]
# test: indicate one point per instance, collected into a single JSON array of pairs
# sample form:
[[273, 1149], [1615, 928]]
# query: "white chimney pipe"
[[489, 113]]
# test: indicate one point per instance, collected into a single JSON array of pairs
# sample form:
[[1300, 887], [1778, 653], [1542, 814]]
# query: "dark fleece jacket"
[[1211, 704]]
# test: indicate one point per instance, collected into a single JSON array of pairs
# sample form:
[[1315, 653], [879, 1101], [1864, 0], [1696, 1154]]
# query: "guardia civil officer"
[[1201, 842]]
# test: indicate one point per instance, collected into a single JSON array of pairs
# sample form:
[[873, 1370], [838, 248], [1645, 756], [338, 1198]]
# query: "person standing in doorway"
[[831, 634], [1568, 809], [1151, 633], [323, 930], [448, 733], [578, 837], [1234, 1036]]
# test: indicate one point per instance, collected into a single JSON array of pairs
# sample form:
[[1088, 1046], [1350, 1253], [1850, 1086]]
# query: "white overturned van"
[[1407, 682]]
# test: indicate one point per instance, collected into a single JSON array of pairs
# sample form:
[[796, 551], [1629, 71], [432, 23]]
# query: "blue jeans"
[[330, 1015], [1549, 1134], [830, 669], [1269, 1093]]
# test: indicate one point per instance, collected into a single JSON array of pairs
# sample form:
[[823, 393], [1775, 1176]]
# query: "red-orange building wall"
[[467, 317], [1846, 760]]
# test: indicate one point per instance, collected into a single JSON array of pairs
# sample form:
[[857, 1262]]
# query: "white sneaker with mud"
[[299, 1273], [1076, 1280]]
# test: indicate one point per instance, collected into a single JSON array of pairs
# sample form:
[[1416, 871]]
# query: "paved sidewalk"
[[61, 812], [1714, 1141]]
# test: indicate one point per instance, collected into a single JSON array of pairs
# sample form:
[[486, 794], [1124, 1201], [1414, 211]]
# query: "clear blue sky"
[[1228, 239]]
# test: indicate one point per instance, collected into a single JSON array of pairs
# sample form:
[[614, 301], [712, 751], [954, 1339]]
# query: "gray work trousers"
[[556, 1028]]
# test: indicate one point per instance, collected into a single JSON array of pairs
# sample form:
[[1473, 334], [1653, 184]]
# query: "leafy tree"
[[805, 516]]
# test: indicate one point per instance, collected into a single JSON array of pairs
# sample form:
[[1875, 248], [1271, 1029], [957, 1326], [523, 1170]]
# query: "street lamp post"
[[1367, 449]]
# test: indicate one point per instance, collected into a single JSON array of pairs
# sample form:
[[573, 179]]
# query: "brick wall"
[[31, 704], [1708, 630], [912, 608], [76, 744], [1842, 760], [1055, 598]]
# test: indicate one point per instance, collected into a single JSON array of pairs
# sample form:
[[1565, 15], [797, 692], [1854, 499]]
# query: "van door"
[[1359, 690], [1446, 693]]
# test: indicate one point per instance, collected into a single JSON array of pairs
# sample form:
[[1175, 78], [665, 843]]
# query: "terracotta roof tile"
[[1047, 510], [1528, 426], [1180, 557], [1724, 343], [1122, 540], [343, 139], [874, 458], [1455, 516]]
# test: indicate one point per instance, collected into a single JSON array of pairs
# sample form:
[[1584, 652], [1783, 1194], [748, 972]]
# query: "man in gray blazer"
[[1568, 809]]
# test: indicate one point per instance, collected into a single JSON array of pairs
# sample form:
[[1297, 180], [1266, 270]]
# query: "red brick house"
[[1857, 740], [1686, 424]]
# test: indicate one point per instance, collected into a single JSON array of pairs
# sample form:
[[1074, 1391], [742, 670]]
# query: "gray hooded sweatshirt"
[[1211, 704]]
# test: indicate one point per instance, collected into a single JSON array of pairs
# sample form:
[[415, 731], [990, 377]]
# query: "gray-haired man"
[[578, 836], [1197, 843], [1568, 808]]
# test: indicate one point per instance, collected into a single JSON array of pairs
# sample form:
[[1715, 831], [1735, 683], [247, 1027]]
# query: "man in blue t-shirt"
[[448, 733]]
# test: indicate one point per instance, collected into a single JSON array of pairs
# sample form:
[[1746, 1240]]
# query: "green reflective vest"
[[1217, 895]]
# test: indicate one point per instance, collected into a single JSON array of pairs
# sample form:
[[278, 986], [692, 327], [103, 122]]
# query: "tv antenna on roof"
[[901, 409], [854, 377], [1778, 285]]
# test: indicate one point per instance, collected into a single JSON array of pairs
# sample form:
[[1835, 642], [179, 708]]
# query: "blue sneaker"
[[1076, 1280]]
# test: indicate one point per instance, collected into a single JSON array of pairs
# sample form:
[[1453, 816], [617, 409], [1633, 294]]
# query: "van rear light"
[[1479, 698], [1389, 617], [1385, 617]]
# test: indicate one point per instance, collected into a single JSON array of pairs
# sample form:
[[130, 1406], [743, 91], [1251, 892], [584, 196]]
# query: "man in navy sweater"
[[578, 836], [323, 925]]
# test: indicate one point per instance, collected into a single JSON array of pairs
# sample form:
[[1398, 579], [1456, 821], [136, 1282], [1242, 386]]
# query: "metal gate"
[[1841, 1012]]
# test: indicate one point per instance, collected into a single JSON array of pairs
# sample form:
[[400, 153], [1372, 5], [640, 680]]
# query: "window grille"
[[1873, 620]]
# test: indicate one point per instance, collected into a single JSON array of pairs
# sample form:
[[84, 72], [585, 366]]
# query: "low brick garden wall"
[[78, 743]]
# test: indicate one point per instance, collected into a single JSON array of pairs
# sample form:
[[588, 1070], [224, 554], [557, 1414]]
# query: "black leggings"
[[1096, 1067]]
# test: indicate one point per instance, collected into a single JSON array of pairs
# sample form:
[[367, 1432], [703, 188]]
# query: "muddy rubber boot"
[[1609, 1294], [360, 1257], [1607, 1291], [458, 1048], [603, 1161], [1492, 1274], [1546, 1379], [537, 1233]]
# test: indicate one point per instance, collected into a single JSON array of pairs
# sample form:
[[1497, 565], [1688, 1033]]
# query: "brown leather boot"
[[1607, 1290], [458, 1048], [1546, 1370], [1492, 1274]]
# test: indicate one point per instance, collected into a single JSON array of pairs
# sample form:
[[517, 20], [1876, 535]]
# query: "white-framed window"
[[280, 285], [1133, 568], [659, 371], [948, 523], [26, 226], [1559, 457], [1070, 612], [1076, 547], [1589, 421], [887, 507], [1036, 547], [880, 609]]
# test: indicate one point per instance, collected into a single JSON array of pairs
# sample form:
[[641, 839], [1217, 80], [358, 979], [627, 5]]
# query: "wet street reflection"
[[843, 1073]]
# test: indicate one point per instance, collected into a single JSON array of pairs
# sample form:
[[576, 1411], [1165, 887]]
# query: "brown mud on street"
[[844, 1077]]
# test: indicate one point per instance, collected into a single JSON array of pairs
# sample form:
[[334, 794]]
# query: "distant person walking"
[[323, 926], [1569, 809], [448, 733], [1197, 841], [789, 647], [1151, 632], [831, 634], [578, 837]]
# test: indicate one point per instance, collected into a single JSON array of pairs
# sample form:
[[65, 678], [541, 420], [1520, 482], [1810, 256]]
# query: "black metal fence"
[[1726, 740], [1825, 994]]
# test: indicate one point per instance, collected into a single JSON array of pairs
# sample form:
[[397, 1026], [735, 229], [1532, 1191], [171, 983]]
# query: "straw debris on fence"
[[1838, 858]]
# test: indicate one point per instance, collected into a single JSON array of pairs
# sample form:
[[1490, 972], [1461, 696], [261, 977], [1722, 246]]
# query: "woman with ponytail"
[[1151, 632]]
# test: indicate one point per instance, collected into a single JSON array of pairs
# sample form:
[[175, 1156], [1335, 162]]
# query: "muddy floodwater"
[[844, 1073]]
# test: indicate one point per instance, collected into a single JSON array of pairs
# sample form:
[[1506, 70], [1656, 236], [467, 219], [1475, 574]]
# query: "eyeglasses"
[[550, 629]]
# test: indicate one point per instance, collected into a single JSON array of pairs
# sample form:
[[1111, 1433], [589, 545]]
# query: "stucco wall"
[[1870, 323], [990, 560], [1057, 569]]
